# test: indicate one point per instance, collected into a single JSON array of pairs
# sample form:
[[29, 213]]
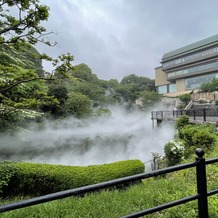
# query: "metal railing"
[[201, 195], [201, 114]]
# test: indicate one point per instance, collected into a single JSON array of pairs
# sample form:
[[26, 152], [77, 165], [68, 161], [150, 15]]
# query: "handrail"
[[90, 188], [189, 105], [201, 195], [162, 207], [203, 114]]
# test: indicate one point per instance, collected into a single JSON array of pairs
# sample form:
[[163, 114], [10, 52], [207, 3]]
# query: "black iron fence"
[[201, 195], [201, 114]]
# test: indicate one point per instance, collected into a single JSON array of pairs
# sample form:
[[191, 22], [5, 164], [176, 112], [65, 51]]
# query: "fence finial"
[[200, 152]]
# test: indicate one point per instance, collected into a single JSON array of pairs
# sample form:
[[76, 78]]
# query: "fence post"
[[162, 115], [204, 114], [201, 184]]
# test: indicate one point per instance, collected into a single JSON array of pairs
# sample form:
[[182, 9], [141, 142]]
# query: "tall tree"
[[149, 98], [140, 83], [19, 79], [78, 105], [83, 73], [26, 27]]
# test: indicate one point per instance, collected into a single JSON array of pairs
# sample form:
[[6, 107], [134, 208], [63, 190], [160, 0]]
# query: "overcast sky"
[[116, 38]]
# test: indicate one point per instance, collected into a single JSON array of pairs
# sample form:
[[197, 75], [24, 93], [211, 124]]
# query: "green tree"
[[140, 83], [83, 73], [22, 86], [132, 87], [93, 91], [149, 98], [78, 105], [60, 92], [210, 86], [185, 99], [110, 85], [126, 93], [101, 92], [111, 96], [26, 57], [26, 26]]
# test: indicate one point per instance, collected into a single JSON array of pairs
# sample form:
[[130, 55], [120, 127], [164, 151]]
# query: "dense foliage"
[[182, 121], [185, 99], [115, 203], [188, 138], [40, 179], [210, 86], [28, 93]]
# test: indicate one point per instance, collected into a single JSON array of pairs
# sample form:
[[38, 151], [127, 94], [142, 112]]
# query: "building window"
[[162, 89], [172, 88], [208, 66], [197, 55], [178, 72], [190, 70], [166, 88], [178, 61], [196, 82], [171, 74]]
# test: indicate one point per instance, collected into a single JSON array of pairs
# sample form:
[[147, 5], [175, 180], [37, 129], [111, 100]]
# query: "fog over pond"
[[124, 135]]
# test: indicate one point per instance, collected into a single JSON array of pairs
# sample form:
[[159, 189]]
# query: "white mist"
[[95, 141]]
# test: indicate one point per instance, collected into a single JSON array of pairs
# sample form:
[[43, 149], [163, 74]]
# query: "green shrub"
[[185, 98], [195, 136], [174, 152], [103, 112], [7, 171], [40, 179], [203, 139], [182, 121], [186, 134]]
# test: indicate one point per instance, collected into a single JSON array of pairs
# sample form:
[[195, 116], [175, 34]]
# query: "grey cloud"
[[120, 37]]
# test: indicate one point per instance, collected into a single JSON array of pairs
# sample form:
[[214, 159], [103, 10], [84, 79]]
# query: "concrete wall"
[[209, 96], [160, 77], [180, 85]]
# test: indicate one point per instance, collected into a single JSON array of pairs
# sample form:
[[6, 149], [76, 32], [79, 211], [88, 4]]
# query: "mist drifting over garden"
[[62, 116], [121, 136]]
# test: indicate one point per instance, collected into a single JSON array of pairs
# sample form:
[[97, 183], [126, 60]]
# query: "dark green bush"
[[195, 136], [203, 139], [182, 121], [186, 134], [39, 179], [185, 98], [7, 171]]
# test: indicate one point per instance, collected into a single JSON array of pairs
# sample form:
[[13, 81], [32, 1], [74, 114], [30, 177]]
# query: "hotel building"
[[186, 69]]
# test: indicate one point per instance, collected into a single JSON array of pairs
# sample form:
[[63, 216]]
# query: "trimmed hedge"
[[39, 179]]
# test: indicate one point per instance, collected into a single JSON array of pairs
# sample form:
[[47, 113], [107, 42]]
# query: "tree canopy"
[[27, 92], [22, 79], [210, 86], [139, 82], [26, 26]]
